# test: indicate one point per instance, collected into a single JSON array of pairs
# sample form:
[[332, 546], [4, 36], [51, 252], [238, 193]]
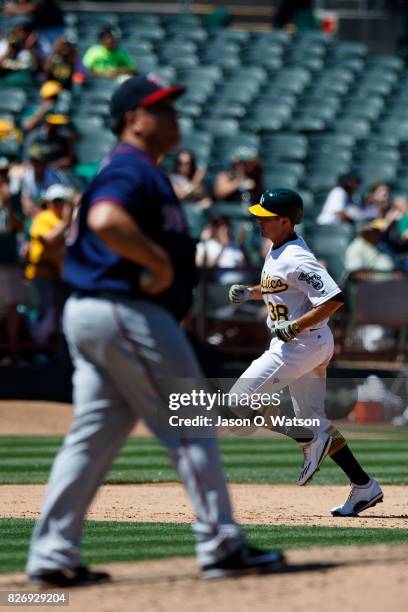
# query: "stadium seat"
[[221, 109], [93, 150], [87, 124], [218, 127], [264, 119], [308, 123], [371, 172], [12, 100], [366, 108], [331, 140], [360, 128], [329, 244], [320, 157], [284, 146], [276, 178], [284, 167], [321, 179], [195, 219]]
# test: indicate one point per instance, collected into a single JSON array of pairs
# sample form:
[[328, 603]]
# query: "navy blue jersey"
[[129, 179]]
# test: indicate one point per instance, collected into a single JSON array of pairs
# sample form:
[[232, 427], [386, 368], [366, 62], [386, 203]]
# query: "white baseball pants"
[[300, 365]]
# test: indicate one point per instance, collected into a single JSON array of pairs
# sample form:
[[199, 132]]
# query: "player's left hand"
[[286, 330]]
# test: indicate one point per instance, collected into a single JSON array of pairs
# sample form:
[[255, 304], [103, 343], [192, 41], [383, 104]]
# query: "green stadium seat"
[[203, 73], [219, 127], [284, 167], [320, 157], [330, 141], [144, 31], [371, 172], [10, 148], [199, 138], [321, 179], [12, 100], [276, 178], [188, 108], [264, 119], [221, 109], [360, 128], [366, 108], [348, 49], [93, 150], [375, 86], [308, 123], [146, 63], [87, 124], [233, 210], [285, 146], [329, 244], [394, 127], [195, 219]]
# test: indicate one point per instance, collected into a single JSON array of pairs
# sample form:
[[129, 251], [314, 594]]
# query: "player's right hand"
[[155, 282], [239, 293]]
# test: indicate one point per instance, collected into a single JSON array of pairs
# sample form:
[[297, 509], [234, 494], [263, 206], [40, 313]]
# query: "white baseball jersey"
[[293, 282]]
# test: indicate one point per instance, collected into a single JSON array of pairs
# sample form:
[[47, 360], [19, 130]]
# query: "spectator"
[[106, 59], [62, 63], [377, 201], [187, 180], [217, 249], [49, 92], [366, 253], [47, 245], [397, 230], [243, 182], [18, 57], [10, 275], [38, 177], [47, 19], [340, 204], [59, 137]]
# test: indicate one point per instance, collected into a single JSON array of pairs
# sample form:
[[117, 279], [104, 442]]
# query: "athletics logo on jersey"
[[272, 285], [312, 279]]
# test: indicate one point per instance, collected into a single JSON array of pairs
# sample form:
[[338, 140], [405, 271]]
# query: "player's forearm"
[[120, 233], [256, 292], [317, 315]]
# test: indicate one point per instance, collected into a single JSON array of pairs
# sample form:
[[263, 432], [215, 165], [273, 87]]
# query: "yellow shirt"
[[40, 254]]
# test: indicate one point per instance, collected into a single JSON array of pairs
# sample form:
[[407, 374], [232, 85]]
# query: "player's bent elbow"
[[101, 218]]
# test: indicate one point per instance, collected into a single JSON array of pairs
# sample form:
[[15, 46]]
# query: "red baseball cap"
[[142, 90]]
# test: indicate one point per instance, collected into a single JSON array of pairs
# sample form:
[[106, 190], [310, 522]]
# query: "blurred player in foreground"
[[130, 265], [300, 296]]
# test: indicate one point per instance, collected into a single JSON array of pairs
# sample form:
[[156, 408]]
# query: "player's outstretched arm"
[[117, 229], [241, 293]]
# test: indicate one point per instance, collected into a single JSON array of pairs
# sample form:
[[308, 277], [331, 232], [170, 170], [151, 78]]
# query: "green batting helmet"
[[279, 201]]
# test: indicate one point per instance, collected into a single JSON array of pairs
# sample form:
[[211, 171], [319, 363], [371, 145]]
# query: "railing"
[[239, 331]]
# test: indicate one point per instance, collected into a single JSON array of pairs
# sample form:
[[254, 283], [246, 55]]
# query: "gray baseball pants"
[[120, 349]]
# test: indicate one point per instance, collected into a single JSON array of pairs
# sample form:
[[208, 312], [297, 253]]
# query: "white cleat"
[[360, 498], [314, 452]]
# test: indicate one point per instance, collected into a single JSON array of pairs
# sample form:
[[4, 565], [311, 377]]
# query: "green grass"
[[27, 460], [105, 541]]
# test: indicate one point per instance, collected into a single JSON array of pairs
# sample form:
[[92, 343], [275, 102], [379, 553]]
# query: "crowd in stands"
[[40, 185]]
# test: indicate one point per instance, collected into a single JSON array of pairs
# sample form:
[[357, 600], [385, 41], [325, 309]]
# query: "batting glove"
[[286, 330], [239, 293]]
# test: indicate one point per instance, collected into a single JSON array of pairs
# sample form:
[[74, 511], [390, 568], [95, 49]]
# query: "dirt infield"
[[254, 503], [23, 418], [321, 579], [341, 578]]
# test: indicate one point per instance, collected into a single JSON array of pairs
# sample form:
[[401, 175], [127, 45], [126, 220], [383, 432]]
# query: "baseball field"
[[139, 525]]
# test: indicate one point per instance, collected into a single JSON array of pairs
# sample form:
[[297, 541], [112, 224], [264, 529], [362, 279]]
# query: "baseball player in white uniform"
[[300, 296]]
